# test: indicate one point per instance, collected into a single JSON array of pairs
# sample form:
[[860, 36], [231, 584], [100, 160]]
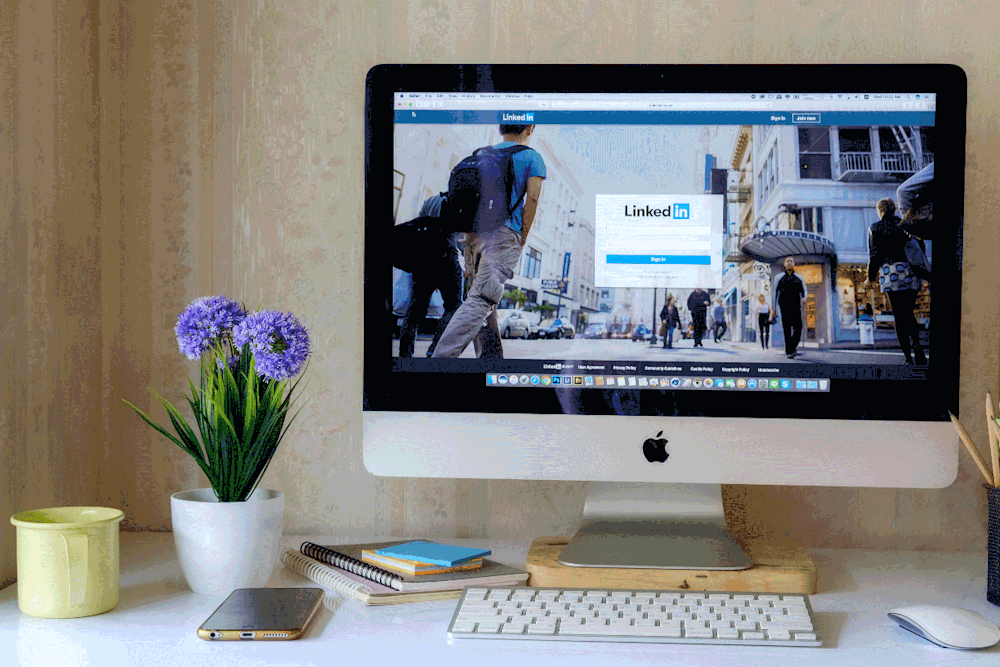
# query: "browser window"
[[693, 241]]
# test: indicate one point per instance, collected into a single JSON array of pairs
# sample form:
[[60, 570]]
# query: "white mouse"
[[951, 627]]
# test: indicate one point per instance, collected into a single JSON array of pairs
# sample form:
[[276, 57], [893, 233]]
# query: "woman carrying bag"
[[669, 318], [899, 263]]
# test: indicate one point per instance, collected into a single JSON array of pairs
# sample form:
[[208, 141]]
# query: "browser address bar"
[[633, 104]]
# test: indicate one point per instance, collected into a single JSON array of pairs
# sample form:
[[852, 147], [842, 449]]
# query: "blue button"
[[703, 260]]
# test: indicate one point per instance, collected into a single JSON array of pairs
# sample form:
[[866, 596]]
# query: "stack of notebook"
[[421, 558], [361, 571]]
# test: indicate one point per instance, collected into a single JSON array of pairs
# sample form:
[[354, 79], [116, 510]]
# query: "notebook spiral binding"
[[358, 567], [314, 571]]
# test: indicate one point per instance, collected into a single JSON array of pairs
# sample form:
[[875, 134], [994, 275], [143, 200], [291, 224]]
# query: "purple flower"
[[277, 340], [232, 361], [206, 320]]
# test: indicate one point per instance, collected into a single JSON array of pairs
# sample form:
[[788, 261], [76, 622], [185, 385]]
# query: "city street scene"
[[773, 208]]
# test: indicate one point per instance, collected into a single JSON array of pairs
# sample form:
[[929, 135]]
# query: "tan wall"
[[154, 152]]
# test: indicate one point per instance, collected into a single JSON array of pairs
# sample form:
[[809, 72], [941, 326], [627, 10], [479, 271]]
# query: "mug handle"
[[77, 567]]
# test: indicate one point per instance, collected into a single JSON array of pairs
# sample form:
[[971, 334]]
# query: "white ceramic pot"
[[225, 546]]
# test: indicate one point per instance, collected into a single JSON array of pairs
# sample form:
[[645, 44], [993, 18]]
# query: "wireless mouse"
[[951, 627]]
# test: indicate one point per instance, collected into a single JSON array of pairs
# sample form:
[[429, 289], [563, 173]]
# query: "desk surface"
[[156, 618]]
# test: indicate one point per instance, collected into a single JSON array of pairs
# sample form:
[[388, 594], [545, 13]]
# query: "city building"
[[809, 192]]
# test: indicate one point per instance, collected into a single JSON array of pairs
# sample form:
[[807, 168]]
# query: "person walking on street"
[[719, 326], [698, 303], [439, 271], [896, 277], [790, 295], [763, 320], [499, 249], [670, 318]]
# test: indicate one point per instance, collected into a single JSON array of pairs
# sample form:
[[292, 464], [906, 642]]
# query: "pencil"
[[994, 428], [972, 448], [991, 422]]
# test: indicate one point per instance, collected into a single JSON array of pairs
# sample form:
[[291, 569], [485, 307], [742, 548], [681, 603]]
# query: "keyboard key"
[[699, 633], [478, 603], [463, 626], [805, 636], [723, 633], [622, 631]]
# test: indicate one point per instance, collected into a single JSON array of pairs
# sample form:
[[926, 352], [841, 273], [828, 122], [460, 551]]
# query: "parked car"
[[515, 324], [556, 328], [641, 333], [595, 330]]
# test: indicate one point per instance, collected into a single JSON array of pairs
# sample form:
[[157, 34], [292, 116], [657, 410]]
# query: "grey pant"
[[501, 251]]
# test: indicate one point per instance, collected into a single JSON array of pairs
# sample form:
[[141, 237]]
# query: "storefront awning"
[[771, 246]]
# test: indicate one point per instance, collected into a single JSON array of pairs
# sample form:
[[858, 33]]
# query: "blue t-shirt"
[[526, 164]]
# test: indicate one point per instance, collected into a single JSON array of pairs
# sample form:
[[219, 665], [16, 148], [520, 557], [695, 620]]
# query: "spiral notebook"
[[346, 559], [353, 587]]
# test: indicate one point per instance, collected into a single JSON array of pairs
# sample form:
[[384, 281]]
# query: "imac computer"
[[662, 279]]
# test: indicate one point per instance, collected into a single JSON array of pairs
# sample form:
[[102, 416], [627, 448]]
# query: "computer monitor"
[[802, 345]]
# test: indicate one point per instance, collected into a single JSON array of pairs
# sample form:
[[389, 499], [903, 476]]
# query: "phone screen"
[[263, 613]]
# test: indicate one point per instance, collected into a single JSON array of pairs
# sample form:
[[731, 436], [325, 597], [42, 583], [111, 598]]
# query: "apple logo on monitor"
[[655, 450]]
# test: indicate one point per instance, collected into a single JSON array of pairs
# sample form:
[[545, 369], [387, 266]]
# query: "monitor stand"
[[667, 526]]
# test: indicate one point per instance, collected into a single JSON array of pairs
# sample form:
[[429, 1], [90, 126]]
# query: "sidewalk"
[[884, 341]]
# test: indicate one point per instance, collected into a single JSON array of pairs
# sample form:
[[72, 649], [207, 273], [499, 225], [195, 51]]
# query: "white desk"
[[156, 618]]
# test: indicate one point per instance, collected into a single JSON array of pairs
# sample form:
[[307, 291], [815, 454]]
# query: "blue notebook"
[[432, 552]]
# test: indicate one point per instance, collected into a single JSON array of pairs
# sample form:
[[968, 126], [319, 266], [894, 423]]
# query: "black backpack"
[[479, 190]]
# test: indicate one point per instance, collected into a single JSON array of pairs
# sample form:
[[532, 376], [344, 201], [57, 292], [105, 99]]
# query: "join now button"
[[806, 117], [659, 259]]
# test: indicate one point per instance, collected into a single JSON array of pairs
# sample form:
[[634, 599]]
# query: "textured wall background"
[[158, 151]]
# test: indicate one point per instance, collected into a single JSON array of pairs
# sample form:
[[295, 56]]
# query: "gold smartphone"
[[263, 614]]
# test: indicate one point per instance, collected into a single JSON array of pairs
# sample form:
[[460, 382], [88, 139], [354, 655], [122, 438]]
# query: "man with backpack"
[[492, 195]]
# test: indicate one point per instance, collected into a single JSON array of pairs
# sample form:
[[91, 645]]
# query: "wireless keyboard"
[[634, 616]]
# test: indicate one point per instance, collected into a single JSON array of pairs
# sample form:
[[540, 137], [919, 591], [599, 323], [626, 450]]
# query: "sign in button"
[[660, 259]]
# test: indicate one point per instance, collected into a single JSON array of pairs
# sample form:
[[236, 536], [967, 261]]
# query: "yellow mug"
[[67, 561]]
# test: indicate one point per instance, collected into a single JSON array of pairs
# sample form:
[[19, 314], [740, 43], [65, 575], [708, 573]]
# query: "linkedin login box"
[[648, 240]]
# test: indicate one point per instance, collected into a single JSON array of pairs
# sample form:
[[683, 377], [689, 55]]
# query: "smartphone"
[[269, 614]]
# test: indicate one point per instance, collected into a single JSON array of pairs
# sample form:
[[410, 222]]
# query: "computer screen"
[[720, 263]]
